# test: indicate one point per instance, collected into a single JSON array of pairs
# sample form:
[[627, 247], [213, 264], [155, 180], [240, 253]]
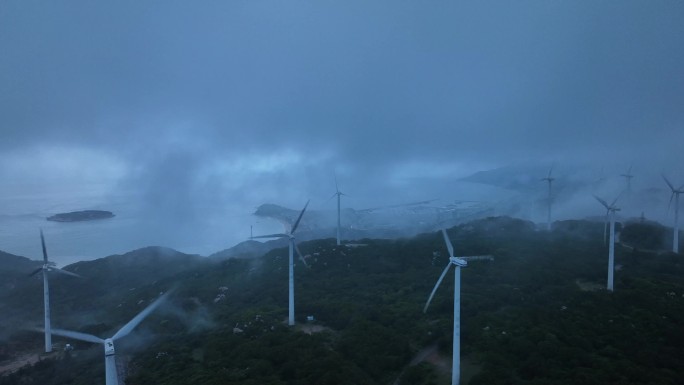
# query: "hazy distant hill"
[[512, 177], [15, 263], [141, 266], [14, 269], [249, 249]]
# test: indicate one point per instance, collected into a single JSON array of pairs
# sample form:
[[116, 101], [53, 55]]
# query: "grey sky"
[[257, 101]]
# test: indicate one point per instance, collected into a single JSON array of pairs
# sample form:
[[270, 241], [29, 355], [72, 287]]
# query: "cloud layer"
[[196, 106]]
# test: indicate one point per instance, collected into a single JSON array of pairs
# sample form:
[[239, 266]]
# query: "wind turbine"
[[550, 180], [293, 247], [48, 266], [338, 193], [600, 180], [111, 377], [675, 195], [610, 213], [459, 263], [628, 177]]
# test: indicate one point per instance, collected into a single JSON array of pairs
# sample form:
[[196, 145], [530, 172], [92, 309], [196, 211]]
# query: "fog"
[[183, 118]]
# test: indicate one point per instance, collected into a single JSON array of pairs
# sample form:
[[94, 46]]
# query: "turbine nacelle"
[[672, 187], [628, 174], [109, 347], [290, 235], [458, 261], [609, 207]]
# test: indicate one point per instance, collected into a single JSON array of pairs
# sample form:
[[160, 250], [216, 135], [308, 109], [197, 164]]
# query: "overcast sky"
[[256, 101]]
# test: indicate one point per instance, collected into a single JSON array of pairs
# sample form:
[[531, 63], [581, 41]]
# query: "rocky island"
[[77, 216]]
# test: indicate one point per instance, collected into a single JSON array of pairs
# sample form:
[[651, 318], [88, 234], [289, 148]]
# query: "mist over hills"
[[181, 117], [537, 312]]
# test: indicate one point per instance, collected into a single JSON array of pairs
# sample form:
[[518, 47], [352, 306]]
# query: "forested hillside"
[[538, 313]]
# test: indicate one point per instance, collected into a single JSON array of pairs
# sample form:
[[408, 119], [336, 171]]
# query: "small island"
[[77, 216]]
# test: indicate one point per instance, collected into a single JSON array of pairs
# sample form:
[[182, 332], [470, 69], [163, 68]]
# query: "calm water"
[[206, 230], [133, 227]]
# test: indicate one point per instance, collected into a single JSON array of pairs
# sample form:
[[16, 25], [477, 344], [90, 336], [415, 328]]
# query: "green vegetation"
[[647, 235], [531, 316]]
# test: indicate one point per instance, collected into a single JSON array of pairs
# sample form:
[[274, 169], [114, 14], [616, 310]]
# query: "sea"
[[23, 214], [206, 229]]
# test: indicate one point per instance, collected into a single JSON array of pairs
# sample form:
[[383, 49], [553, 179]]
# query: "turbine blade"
[[336, 187], [272, 236], [449, 246], [616, 199], [77, 335], [439, 281], [605, 228], [65, 272], [141, 316], [42, 242], [550, 170], [34, 272], [668, 183], [294, 227], [301, 257], [669, 205], [602, 202]]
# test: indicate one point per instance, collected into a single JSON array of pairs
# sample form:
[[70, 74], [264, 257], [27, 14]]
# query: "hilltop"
[[13, 268]]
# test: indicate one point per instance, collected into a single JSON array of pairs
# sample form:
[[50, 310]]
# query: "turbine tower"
[[610, 213], [628, 177], [459, 263], [48, 266], [550, 180], [338, 193], [675, 195], [111, 377], [293, 247]]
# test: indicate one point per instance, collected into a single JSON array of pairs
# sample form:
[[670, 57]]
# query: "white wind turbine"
[[111, 377], [675, 195], [610, 213], [293, 247], [338, 193], [458, 262], [48, 266], [550, 180]]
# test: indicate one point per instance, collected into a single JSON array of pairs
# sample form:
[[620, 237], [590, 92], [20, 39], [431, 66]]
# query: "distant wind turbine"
[[458, 262], [628, 177], [610, 212], [600, 180], [48, 266], [293, 247], [675, 195], [111, 377], [550, 180], [338, 193]]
